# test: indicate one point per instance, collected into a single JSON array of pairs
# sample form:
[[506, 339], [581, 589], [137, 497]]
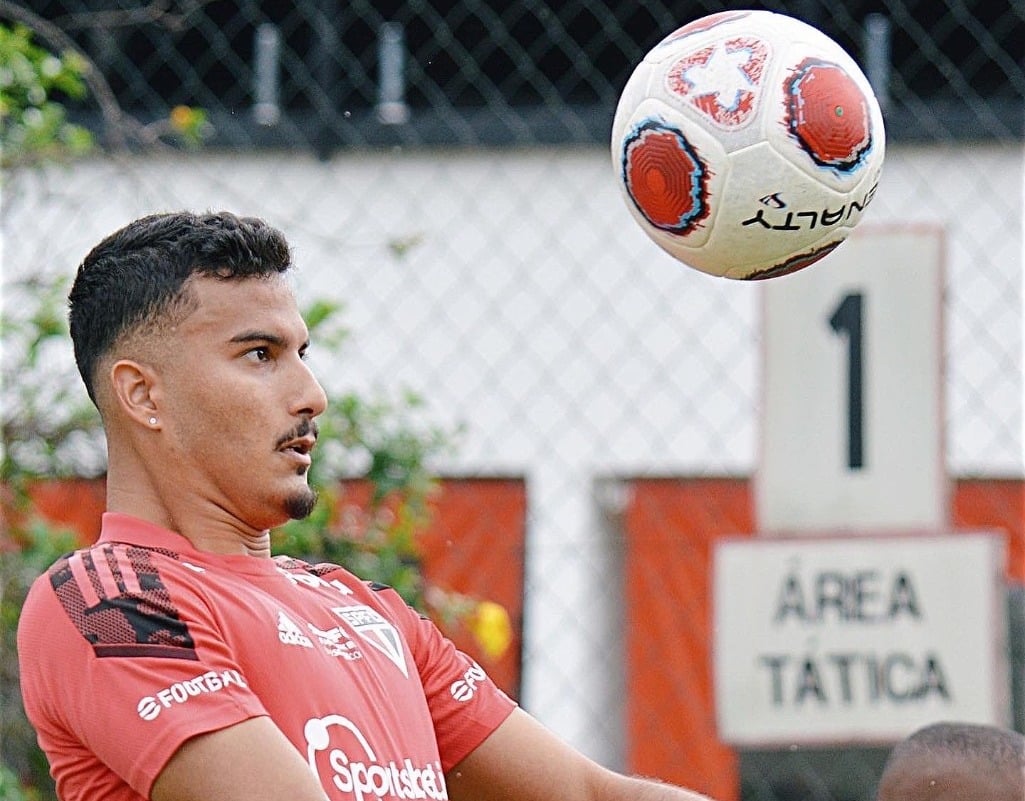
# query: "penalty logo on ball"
[[665, 177]]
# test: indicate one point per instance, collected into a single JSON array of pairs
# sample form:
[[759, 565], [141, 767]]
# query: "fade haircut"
[[994, 745], [136, 278]]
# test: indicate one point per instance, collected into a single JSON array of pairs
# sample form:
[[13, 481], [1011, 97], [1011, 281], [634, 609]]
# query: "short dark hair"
[[138, 274], [993, 744]]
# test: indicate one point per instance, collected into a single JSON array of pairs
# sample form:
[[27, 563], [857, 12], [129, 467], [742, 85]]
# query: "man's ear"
[[136, 390]]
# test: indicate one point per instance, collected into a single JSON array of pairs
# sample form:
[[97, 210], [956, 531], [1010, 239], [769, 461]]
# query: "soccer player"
[[176, 658], [956, 762]]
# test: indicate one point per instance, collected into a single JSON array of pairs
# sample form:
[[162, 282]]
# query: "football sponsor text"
[[465, 688], [213, 681]]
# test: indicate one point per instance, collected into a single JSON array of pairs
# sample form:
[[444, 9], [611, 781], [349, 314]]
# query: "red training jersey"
[[132, 646]]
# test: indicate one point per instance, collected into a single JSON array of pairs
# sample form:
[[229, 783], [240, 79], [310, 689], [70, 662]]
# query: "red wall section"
[[987, 503], [670, 528], [475, 545], [75, 504]]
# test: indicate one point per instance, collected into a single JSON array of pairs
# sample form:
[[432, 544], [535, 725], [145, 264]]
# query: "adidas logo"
[[291, 634]]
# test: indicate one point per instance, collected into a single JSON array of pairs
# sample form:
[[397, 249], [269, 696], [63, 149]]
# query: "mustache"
[[305, 427]]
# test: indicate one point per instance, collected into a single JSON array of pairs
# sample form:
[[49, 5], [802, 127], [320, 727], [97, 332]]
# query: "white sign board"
[[857, 639], [852, 419]]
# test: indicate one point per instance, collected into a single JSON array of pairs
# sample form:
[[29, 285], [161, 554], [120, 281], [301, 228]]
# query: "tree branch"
[[116, 122]]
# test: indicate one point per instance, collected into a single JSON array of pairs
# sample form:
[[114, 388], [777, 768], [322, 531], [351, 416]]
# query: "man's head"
[[190, 343], [135, 281], [956, 762]]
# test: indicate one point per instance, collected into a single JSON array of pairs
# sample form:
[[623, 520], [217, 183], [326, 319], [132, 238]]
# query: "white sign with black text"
[[857, 639], [852, 409]]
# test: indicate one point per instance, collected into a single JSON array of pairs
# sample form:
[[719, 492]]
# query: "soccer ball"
[[748, 144]]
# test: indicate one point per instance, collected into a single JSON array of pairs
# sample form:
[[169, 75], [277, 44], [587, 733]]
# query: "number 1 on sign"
[[846, 320], [861, 346]]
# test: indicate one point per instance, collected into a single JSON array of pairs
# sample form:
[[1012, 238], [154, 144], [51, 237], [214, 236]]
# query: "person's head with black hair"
[[951, 761], [189, 340], [137, 280]]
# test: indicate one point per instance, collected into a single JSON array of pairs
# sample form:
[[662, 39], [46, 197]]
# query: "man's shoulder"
[[106, 568], [116, 595]]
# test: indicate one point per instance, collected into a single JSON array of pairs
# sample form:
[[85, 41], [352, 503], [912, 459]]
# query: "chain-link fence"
[[442, 170]]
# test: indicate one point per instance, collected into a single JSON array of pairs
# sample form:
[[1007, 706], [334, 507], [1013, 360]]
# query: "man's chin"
[[299, 505]]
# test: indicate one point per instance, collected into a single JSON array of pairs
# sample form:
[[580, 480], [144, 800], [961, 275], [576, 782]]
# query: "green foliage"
[[34, 84], [41, 414], [11, 788], [49, 427], [34, 546], [190, 125]]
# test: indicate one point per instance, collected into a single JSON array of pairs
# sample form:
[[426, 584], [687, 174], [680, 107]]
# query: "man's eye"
[[260, 354]]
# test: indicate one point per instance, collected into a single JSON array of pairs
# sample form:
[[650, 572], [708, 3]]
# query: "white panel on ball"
[[852, 413]]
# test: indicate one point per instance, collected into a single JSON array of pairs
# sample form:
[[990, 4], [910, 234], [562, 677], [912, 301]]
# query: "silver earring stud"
[[153, 421]]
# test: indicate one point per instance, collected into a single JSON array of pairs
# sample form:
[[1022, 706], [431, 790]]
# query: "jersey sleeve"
[[121, 662], [466, 705]]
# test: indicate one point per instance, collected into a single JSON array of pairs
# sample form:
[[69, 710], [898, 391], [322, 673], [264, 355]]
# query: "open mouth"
[[301, 446], [298, 443], [299, 450]]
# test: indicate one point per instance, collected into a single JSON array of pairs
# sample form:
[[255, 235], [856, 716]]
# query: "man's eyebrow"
[[276, 340]]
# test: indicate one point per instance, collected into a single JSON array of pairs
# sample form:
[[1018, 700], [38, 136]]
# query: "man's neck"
[[207, 526]]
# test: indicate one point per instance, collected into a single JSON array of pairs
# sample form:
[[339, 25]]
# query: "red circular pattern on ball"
[[828, 114], [665, 178]]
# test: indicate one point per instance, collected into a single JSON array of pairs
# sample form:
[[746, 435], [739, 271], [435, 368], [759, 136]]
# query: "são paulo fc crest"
[[375, 631]]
